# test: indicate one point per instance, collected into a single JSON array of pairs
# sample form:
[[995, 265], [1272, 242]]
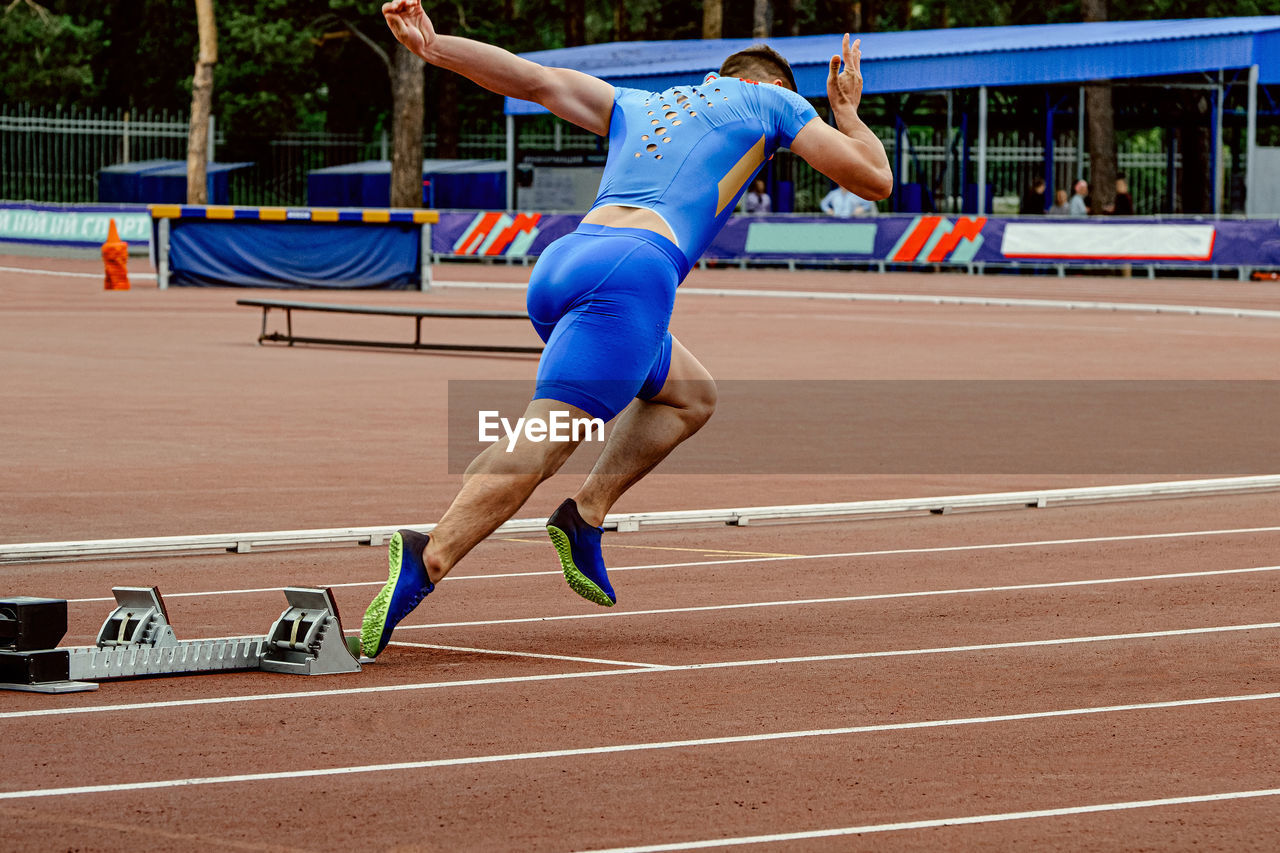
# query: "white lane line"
[[508, 653], [946, 821], [146, 275], [843, 599], [925, 299], [631, 747], [942, 549], [309, 695], [800, 602]]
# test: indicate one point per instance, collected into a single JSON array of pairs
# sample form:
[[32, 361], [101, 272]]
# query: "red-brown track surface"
[[904, 670]]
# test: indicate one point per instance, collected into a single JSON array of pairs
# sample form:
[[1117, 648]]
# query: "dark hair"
[[759, 61]]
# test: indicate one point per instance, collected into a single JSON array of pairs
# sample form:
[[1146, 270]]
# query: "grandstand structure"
[[1227, 59]]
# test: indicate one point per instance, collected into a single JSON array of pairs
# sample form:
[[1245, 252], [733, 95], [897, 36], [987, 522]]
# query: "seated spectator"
[[1080, 201], [1060, 206], [757, 201], [843, 204]]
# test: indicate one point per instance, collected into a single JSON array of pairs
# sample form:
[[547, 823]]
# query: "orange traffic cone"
[[115, 257]]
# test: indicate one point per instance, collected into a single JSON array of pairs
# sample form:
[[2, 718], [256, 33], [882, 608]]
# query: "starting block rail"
[[137, 641], [418, 314]]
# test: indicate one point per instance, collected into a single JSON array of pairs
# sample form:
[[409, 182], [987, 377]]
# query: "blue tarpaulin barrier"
[[294, 254]]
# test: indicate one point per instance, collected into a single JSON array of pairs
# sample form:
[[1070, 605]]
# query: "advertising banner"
[[72, 226], [910, 240]]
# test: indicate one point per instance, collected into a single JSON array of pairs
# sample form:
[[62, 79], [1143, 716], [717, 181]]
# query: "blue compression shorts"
[[601, 299]]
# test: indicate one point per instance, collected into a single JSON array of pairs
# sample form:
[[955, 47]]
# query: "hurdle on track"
[[291, 247], [418, 314]]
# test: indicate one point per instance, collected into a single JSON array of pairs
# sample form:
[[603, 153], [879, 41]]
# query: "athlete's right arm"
[[573, 96], [852, 156]]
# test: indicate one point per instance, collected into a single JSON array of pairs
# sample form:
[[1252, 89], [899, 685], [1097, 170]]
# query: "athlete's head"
[[760, 63]]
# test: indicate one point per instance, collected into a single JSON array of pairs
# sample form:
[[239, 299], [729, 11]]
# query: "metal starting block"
[[137, 641]]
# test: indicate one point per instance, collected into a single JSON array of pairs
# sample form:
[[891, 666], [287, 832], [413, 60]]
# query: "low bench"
[[288, 337]]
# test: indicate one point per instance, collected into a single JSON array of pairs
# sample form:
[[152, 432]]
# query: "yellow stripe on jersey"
[[741, 172]]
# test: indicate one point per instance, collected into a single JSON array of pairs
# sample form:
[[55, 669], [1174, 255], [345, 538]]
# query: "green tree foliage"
[[295, 64], [267, 79], [47, 57]]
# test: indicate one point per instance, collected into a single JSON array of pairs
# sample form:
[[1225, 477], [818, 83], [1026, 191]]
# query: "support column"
[[425, 257], [948, 173], [982, 150], [1219, 167], [162, 254], [1080, 138], [511, 162], [1251, 145], [1049, 182]]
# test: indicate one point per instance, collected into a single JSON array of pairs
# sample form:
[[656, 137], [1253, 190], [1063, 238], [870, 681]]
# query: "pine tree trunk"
[[201, 105], [712, 19], [762, 19], [787, 22], [620, 25], [1101, 129], [406, 130], [448, 127], [575, 23]]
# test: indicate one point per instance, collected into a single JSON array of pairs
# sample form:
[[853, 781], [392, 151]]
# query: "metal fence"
[[56, 155]]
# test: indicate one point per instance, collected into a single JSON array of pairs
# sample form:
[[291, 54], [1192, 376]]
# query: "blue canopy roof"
[[918, 60]]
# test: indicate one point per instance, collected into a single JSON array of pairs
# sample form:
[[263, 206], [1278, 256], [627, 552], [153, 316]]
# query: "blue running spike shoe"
[[578, 544], [407, 585]]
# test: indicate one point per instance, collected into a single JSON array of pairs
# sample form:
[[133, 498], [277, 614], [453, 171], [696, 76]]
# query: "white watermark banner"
[[72, 226], [557, 426], [1108, 241], [1104, 427]]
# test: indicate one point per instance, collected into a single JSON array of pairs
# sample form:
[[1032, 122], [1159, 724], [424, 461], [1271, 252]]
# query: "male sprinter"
[[602, 296]]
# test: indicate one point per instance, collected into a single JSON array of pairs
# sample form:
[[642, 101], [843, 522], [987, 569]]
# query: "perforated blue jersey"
[[689, 153]]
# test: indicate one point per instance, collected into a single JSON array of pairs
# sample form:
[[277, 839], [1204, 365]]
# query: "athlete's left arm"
[[852, 156], [573, 96]]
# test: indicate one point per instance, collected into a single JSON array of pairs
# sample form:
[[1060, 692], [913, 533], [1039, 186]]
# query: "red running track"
[[1091, 677]]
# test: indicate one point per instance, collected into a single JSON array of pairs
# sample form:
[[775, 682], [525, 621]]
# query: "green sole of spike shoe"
[[375, 617], [578, 582]]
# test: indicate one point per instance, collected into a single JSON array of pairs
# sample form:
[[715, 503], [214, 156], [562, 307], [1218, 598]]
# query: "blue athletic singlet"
[[690, 152], [601, 297]]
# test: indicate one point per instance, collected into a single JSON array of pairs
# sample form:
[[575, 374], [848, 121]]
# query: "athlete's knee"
[[704, 400], [695, 400], [534, 461]]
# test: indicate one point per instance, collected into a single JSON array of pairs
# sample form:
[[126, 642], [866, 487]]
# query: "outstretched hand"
[[844, 88], [410, 24]]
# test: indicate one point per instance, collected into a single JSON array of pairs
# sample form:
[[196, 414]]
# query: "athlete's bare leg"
[[496, 485], [646, 431]]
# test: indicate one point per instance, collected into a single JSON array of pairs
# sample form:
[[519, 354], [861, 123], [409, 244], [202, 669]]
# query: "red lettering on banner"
[[918, 238], [522, 223], [478, 233], [965, 229]]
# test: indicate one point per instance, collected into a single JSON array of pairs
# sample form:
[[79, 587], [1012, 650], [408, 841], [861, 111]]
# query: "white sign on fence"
[[72, 226], [1113, 240]]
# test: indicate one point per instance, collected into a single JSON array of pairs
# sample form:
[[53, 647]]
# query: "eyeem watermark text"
[[559, 426]]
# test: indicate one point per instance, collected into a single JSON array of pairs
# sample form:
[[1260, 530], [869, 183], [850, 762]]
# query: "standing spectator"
[[1033, 198], [843, 204], [757, 201], [1124, 202], [1079, 201], [1060, 205]]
